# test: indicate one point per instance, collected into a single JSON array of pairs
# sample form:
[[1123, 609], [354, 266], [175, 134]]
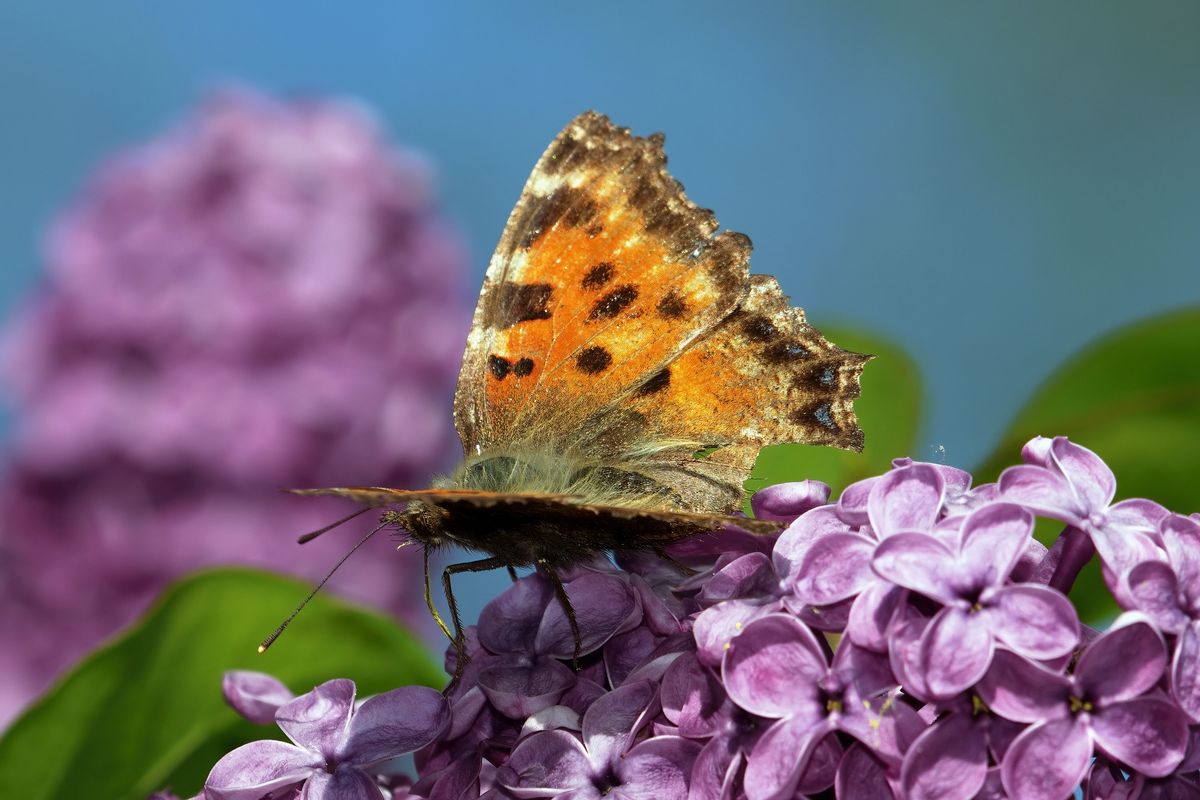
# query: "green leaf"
[[145, 712], [889, 412], [1134, 398]]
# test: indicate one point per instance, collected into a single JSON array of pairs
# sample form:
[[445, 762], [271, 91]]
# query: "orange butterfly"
[[622, 371]]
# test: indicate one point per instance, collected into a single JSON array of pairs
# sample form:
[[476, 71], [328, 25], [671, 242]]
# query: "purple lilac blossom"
[[745, 680], [265, 296]]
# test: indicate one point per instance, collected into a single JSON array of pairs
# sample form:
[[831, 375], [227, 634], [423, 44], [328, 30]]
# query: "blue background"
[[992, 187]]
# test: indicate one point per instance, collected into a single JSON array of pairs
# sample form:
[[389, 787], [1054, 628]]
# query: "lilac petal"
[[904, 652], [1036, 621], [509, 623], [852, 505], [868, 671], [875, 721], [956, 651], [918, 562], [1137, 514], [657, 768], [715, 769], [1037, 452], [794, 542], [259, 768], [1155, 591], [861, 776], [612, 722], [775, 764], [993, 538], [1181, 535], [773, 668], [836, 567], [581, 696], [820, 765], [1150, 734], [716, 627], [949, 761], [602, 603], [1043, 492], [783, 502], [459, 781], [1121, 549], [692, 697], [1089, 476], [319, 720], [820, 618], [344, 784], [1185, 670], [907, 499], [549, 719], [872, 614], [625, 652], [393, 723], [1127, 660], [254, 695], [1023, 691], [544, 765], [750, 575], [956, 480], [1048, 760], [519, 689]]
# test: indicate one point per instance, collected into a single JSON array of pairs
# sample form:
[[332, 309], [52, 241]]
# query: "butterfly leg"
[[560, 592], [512, 573], [441, 623], [460, 644]]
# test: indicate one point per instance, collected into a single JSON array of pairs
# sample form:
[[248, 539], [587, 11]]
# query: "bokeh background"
[[989, 187]]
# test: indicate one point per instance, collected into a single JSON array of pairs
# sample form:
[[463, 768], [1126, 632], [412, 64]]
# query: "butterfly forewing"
[[604, 274]]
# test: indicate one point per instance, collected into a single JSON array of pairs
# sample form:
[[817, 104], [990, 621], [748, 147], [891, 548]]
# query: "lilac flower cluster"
[[266, 296], [910, 640]]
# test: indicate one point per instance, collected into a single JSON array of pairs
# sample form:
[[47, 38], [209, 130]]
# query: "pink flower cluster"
[[266, 296], [910, 640]]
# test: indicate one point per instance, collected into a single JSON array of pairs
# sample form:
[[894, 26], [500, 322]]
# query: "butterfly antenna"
[[270, 640], [308, 537]]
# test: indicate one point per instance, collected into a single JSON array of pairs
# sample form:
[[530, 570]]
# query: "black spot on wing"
[[758, 328], [786, 352], [523, 367], [818, 414], [499, 366], [519, 302], [598, 276], [656, 383], [672, 306], [613, 303], [593, 360]]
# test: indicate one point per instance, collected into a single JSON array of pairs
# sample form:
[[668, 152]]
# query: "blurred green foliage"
[[889, 412], [145, 712]]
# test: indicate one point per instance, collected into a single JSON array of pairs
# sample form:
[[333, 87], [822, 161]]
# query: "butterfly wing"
[[616, 325], [604, 274], [762, 376]]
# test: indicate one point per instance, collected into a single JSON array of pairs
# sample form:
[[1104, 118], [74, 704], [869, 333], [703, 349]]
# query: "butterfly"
[[622, 371]]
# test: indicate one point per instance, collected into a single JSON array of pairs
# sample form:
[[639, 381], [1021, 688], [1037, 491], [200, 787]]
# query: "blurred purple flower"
[[264, 297], [333, 744]]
